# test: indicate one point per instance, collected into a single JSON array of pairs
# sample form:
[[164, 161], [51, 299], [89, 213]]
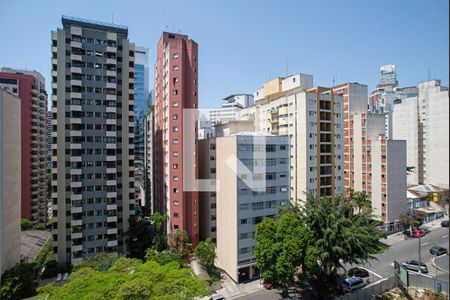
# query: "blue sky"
[[244, 43]]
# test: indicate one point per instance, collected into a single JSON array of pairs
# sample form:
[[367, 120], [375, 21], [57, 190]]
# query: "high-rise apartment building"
[[422, 120], [29, 86], [372, 162], [141, 103], [241, 207], [383, 96], [149, 188], [176, 92], [10, 179], [312, 118], [230, 106], [93, 138]]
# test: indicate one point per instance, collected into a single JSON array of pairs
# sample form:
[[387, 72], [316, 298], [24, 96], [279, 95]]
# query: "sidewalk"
[[231, 290]]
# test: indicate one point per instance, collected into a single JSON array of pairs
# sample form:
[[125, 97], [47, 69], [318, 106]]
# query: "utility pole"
[[420, 255]]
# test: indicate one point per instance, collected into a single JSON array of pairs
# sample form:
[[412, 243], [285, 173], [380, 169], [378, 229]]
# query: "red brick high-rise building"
[[29, 86], [176, 89]]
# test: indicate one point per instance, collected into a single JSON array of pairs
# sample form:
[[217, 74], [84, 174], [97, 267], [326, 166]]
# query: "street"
[[261, 294], [383, 267]]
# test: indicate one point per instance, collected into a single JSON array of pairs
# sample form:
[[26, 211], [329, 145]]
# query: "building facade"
[[92, 138], [176, 93], [10, 179], [149, 187], [230, 106], [29, 86], [422, 120], [373, 163], [312, 118], [141, 104], [240, 207]]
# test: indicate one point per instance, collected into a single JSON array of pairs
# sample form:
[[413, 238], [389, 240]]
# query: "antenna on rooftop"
[[333, 81], [287, 64], [112, 17], [179, 30]]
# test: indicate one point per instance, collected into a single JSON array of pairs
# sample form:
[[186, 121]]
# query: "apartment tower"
[[92, 138], [29, 86], [176, 91], [373, 163], [10, 179], [312, 118]]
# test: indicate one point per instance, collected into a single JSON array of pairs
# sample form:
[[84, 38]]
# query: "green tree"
[[206, 253], [139, 237], [19, 282], [341, 236], [159, 238], [100, 262], [406, 220], [26, 224], [162, 258], [284, 246], [129, 279], [179, 243]]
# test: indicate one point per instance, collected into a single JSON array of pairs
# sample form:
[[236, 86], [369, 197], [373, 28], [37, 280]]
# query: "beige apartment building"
[[10, 180], [372, 162], [312, 118]]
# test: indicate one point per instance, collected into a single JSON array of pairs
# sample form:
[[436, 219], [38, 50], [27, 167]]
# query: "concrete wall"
[[10, 180], [396, 179]]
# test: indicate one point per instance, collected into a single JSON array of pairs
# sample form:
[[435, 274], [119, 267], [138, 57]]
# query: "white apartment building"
[[230, 106], [312, 118], [241, 207], [422, 121]]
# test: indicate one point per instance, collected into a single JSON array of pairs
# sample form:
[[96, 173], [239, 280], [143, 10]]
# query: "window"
[[175, 104], [175, 68], [175, 215], [243, 221], [175, 153], [176, 203], [175, 55], [175, 166], [175, 178], [175, 92], [175, 141], [175, 117], [175, 129]]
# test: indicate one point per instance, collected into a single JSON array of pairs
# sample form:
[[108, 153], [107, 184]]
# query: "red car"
[[417, 233], [267, 283]]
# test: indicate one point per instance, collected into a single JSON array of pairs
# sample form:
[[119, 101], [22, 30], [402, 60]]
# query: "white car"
[[353, 283]]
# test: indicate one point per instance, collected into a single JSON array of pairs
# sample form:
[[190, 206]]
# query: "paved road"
[[259, 295], [406, 250]]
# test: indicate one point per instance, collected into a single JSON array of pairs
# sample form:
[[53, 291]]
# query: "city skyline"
[[280, 45]]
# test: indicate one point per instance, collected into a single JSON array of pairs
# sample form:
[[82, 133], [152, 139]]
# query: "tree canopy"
[[19, 282], [284, 247], [206, 253], [130, 279], [343, 233]]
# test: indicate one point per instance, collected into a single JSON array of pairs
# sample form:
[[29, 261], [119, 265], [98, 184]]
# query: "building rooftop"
[[94, 24]]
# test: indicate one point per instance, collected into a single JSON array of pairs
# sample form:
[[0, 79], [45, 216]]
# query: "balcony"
[[111, 158], [111, 97], [76, 235], [111, 73], [111, 146], [111, 61], [75, 133], [76, 184], [111, 182], [76, 197], [76, 209], [54, 85], [75, 82], [75, 121], [111, 206], [111, 219], [75, 57], [75, 171], [111, 231], [76, 223], [75, 44], [111, 194], [112, 243], [111, 49], [76, 70], [74, 95], [75, 146], [76, 248]]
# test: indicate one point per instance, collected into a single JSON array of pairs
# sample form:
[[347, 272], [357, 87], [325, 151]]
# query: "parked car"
[[65, 276], [359, 272], [438, 250], [444, 223], [267, 283], [425, 229], [217, 297], [353, 283], [407, 232], [413, 265], [417, 233]]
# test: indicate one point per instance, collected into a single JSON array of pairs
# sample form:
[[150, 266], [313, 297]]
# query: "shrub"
[[26, 224]]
